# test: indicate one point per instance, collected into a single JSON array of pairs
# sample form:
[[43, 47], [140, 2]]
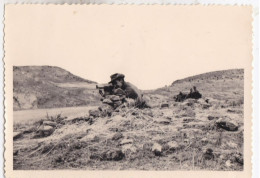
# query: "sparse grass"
[[79, 145]]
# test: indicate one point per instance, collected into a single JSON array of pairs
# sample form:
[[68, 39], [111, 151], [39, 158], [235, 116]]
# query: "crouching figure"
[[118, 93]]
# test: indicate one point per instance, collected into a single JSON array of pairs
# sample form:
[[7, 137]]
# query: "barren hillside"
[[225, 85], [49, 87], [196, 134]]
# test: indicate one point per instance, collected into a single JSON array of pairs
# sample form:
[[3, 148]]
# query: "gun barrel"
[[102, 86]]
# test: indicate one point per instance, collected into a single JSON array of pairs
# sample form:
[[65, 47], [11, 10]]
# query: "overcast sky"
[[152, 46]]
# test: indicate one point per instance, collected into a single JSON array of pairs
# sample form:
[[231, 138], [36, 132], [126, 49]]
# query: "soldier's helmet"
[[116, 76]]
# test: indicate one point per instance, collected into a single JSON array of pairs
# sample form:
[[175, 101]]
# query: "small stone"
[[204, 141], [107, 101], [212, 117], [164, 105], [173, 145], [227, 124], [208, 154], [126, 141], [50, 123], [239, 158], [187, 120], [168, 118], [157, 149], [206, 106], [228, 163], [117, 136], [163, 121], [232, 145]]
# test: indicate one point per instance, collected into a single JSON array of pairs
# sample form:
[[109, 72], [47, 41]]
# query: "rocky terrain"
[[196, 134], [50, 87]]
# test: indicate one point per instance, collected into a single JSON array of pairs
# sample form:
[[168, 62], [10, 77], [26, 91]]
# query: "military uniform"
[[118, 96]]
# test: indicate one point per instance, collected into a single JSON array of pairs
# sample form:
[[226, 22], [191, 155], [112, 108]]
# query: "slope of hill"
[[217, 75], [48, 87], [225, 85]]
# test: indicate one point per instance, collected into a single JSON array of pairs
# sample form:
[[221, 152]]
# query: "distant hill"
[[220, 85], [217, 75], [49, 86]]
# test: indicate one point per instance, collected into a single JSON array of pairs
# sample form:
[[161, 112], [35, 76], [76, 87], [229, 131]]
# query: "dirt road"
[[37, 114]]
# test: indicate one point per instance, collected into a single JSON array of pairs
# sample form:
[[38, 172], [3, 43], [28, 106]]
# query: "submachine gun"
[[105, 89]]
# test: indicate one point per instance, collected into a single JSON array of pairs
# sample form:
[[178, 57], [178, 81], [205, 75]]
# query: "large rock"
[[94, 113], [227, 124], [50, 123], [45, 130]]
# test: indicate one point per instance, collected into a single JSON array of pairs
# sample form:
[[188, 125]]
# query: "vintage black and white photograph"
[[62, 121], [152, 89]]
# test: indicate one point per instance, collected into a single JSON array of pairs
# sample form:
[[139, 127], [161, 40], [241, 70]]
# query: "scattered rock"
[[78, 119], [15, 153], [232, 145], [239, 158], [17, 135], [126, 141], [228, 163], [45, 130], [168, 118], [173, 145], [128, 148], [112, 155], [187, 120], [30, 130], [107, 101], [163, 121], [213, 117], [148, 112], [164, 105], [235, 111], [206, 106], [189, 102], [117, 136], [186, 141], [157, 149], [208, 154], [94, 113], [227, 124], [114, 98], [50, 123]]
